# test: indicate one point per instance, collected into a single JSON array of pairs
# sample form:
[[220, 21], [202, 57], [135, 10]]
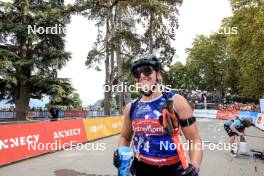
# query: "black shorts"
[[143, 169], [229, 131]]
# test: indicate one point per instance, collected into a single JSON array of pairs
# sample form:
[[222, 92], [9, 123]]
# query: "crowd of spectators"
[[252, 107], [6, 109]]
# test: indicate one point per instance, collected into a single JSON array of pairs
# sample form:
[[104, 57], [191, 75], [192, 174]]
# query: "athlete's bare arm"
[[191, 133], [236, 131], [126, 132]]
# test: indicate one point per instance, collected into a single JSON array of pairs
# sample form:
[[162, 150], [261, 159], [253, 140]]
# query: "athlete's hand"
[[116, 159], [190, 171]]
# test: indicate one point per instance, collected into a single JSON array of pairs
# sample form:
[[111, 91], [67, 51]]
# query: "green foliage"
[[29, 61], [205, 62], [159, 29], [69, 100], [248, 45], [228, 61], [244, 99], [122, 40], [176, 76], [134, 95]]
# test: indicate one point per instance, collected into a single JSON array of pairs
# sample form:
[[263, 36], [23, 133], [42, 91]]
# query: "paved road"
[[95, 161]]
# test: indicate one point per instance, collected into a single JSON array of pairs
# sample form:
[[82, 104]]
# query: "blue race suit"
[[237, 123], [152, 144]]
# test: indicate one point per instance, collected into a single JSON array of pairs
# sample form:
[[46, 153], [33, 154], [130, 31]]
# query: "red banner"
[[75, 114], [17, 141], [20, 141], [226, 114], [65, 133], [32, 114]]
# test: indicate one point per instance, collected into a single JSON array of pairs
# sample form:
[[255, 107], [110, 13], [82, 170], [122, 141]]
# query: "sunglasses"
[[146, 70]]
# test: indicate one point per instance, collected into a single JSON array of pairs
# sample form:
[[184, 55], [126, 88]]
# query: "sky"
[[196, 17]]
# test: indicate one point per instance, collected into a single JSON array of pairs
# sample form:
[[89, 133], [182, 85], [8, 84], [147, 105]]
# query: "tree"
[[112, 47], [160, 20], [30, 61], [65, 99], [176, 76], [122, 41], [225, 59], [206, 62], [247, 46], [102, 49]]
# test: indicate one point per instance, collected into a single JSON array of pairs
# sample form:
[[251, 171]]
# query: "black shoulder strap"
[[167, 100], [170, 104]]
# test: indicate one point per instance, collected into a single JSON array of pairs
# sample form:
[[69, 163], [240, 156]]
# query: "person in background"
[[236, 127]]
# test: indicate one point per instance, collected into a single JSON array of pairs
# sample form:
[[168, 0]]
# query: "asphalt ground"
[[95, 158]]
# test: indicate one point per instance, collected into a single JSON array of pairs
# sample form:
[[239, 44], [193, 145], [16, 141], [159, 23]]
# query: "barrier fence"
[[21, 141], [256, 117], [7, 115], [45, 136], [260, 121], [102, 127], [62, 114], [226, 114], [204, 113]]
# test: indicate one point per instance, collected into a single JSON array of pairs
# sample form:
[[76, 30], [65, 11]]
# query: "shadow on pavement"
[[71, 172]]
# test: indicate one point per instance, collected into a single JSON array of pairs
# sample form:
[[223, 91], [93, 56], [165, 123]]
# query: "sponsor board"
[[226, 114], [248, 115], [261, 103], [67, 132], [20, 141], [15, 139], [102, 127], [205, 113], [260, 121]]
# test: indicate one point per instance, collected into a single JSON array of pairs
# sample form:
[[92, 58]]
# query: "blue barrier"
[[248, 115], [46, 114], [95, 114], [8, 115], [261, 103], [43, 114], [61, 114]]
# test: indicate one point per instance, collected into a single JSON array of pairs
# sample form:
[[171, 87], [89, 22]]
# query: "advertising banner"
[[75, 114], [226, 114], [65, 133], [248, 115], [101, 127], [21, 141], [261, 103], [260, 121], [18, 141], [205, 113]]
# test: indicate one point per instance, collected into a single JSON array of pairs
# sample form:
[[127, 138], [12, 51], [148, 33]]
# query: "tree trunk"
[[23, 72], [107, 95], [151, 27], [119, 60], [22, 100]]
